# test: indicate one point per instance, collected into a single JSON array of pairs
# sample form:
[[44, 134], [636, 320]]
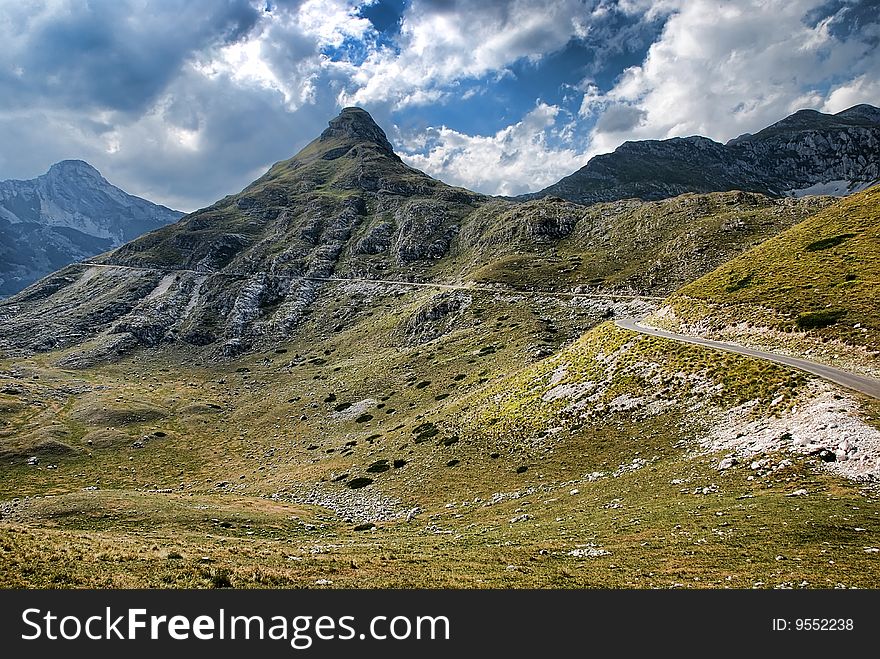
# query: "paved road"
[[866, 385]]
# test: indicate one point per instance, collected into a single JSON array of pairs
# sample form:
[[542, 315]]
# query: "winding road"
[[861, 383]]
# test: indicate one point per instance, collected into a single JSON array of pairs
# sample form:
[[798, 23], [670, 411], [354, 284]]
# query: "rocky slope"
[[392, 434], [806, 153], [65, 215], [246, 271], [239, 270]]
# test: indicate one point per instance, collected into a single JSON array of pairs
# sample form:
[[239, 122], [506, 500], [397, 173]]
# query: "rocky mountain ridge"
[[248, 270], [806, 153], [65, 215]]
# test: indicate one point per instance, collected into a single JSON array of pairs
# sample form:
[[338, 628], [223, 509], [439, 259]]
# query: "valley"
[[352, 375]]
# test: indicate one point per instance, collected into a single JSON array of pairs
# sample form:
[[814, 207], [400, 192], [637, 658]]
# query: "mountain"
[[68, 214], [806, 153], [240, 269], [352, 375], [249, 270]]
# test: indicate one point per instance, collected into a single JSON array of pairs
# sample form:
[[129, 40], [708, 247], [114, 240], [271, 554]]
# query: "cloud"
[[332, 21], [178, 102], [517, 159], [107, 54], [619, 118], [442, 42], [720, 71], [856, 91], [184, 102]]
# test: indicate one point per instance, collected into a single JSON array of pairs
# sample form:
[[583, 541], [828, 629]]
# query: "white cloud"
[[593, 100], [331, 22], [192, 100], [516, 159], [722, 70], [438, 47], [859, 90], [715, 70]]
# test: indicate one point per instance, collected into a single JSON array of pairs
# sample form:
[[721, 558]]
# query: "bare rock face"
[[377, 240], [354, 124], [806, 153], [425, 231], [436, 318]]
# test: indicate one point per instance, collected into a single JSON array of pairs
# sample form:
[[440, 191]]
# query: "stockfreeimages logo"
[[300, 631]]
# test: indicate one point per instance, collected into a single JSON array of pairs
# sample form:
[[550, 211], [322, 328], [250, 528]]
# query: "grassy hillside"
[[650, 247], [370, 457], [249, 253], [816, 282]]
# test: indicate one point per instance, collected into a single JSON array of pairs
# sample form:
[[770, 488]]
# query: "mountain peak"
[[67, 168], [861, 111], [357, 125]]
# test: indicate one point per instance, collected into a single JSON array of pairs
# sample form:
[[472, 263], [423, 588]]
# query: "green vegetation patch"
[[800, 283], [818, 319], [612, 370]]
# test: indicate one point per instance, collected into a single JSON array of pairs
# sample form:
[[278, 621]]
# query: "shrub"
[[827, 243], [819, 319]]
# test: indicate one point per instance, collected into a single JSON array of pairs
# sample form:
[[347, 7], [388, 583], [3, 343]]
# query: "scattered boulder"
[[727, 463], [107, 438]]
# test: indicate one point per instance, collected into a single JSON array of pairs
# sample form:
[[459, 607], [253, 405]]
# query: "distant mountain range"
[[247, 271], [349, 353], [67, 214], [806, 153]]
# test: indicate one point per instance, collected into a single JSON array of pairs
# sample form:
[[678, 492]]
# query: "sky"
[[185, 101]]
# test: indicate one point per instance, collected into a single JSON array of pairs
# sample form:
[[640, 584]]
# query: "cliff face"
[[810, 152]]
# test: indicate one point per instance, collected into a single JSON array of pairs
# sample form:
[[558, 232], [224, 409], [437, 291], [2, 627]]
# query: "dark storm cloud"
[[107, 54], [619, 118], [245, 134]]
